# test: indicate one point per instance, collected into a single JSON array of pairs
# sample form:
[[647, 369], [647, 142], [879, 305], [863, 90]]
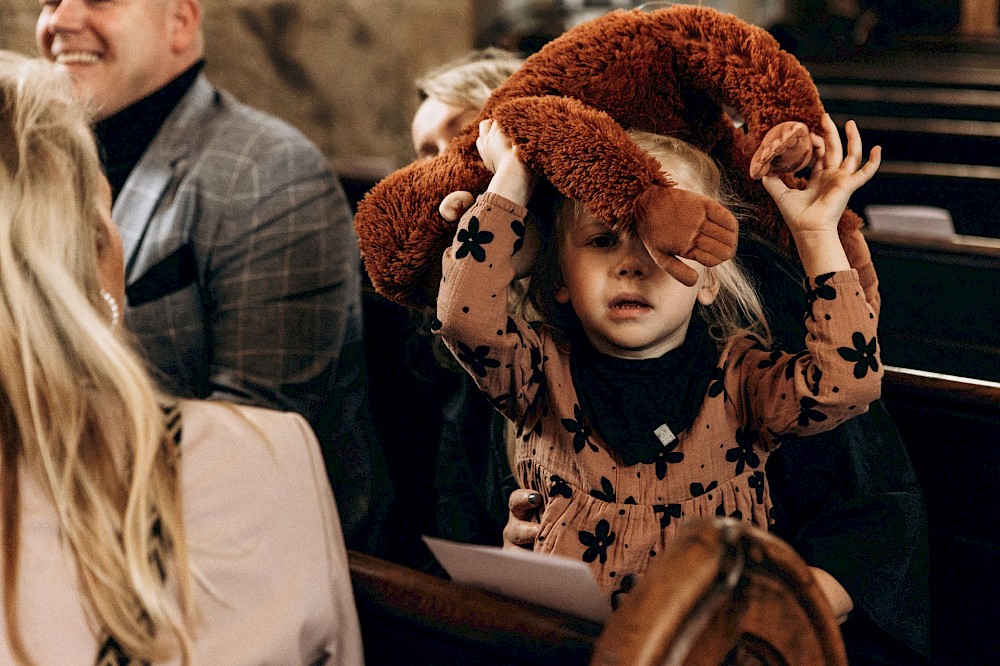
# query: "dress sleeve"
[[837, 375], [502, 353]]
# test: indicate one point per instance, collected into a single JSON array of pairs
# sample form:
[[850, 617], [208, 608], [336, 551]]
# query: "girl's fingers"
[[819, 151], [853, 159], [834, 149], [865, 173], [774, 186]]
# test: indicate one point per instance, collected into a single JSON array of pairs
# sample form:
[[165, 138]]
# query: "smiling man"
[[242, 267]]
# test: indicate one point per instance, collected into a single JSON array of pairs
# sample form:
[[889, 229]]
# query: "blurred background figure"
[[242, 268]]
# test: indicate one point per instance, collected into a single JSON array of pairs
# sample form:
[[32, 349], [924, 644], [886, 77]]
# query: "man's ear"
[[186, 22], [708, 290]]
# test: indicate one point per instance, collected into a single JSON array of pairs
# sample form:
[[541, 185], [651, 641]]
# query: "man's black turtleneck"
[[124, 137]]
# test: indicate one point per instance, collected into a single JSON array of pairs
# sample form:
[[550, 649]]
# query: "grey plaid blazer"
[[243, 272]]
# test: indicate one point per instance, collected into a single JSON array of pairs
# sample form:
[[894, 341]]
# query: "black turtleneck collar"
[[639, 406], [124, 137]]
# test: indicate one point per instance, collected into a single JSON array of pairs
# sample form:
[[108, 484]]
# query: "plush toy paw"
[[785, 148], [675, 222]]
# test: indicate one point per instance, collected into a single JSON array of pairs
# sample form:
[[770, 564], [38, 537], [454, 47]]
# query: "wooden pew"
[[744, 597], [940, 303], [410, 617], [937, 119], [951, 428]]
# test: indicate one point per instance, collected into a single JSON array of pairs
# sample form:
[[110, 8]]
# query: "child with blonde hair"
[[641, 403]]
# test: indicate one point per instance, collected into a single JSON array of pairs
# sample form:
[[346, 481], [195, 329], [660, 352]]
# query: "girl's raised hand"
[[835, 177], [511, 177], [813, 214]]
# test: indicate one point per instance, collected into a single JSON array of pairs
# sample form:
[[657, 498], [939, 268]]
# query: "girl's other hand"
[[511, 177], [834, 178], [813, 214]]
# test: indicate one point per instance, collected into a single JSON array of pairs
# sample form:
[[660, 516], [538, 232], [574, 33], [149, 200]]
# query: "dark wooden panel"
[[940, 306], [951, 428], [409, 617]]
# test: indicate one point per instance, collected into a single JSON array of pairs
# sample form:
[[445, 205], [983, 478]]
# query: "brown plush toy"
[[669, 71]]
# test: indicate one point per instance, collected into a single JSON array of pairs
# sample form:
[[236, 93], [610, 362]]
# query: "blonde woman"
[[134, 528], [452, 95]]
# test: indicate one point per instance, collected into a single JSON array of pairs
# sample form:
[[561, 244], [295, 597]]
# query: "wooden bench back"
[[951, 429], [723, 593]]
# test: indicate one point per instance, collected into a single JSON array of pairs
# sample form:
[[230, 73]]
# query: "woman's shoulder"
[[260, 516], [247, 450], [216, 424]]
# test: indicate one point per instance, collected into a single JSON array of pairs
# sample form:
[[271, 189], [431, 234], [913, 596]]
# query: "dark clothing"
[[473, 478], [126, 135], [651, 393], [848, 500]]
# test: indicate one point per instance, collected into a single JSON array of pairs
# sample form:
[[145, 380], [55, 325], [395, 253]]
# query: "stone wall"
[[340, 70]]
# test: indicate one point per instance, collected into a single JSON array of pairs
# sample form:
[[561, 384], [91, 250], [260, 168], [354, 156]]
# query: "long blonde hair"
[[78, 412], [737, 309]]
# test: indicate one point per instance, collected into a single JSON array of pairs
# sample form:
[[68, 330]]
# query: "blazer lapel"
[[156, 174]]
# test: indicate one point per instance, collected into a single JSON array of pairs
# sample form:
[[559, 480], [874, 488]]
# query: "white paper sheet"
[[546, 580], [925, 221]]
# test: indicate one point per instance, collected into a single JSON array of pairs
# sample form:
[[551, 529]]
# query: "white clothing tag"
[[664, 434]]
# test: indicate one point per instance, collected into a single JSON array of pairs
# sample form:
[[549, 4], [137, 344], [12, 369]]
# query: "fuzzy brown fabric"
[[669, 71]]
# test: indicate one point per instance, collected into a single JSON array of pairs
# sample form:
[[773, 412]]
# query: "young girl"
[[640, 402]]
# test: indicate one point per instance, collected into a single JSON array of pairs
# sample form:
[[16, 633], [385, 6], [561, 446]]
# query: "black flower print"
[[667, 456], [697, 490], [518, 228], [477, 359], [743, 454], [770, 361], [813, 382], [756, 483], [472, 241], [721, 512], [559, 487], [823, 291], [667, 511], [581, 430], [607, 491], [790, 368], [807, 412], [536, 366], [862, 356], [717, 384], [512, 328], [628, 582], [598, 542]]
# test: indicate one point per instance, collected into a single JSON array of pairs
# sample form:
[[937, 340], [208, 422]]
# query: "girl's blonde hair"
[[79, 415], [737, 309], [468, 81]]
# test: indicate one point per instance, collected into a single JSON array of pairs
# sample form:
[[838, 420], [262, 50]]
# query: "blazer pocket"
[[169, 275]]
